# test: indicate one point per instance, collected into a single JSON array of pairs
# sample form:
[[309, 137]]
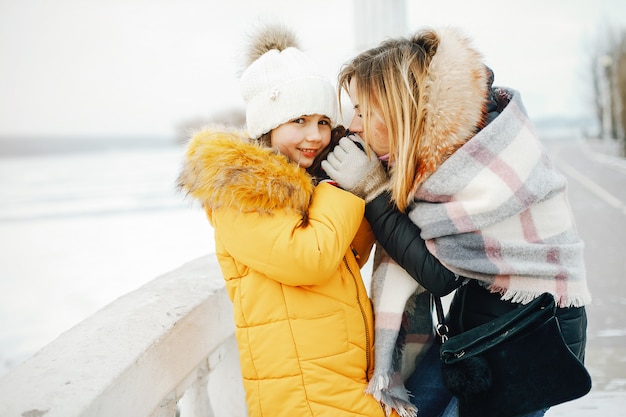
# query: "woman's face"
[[376, 134], [302, 139]]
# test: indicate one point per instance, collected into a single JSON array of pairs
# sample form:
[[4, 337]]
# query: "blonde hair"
[[431, 91], [388, 78]]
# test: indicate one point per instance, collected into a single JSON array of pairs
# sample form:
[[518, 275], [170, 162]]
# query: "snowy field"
[[79, 230]]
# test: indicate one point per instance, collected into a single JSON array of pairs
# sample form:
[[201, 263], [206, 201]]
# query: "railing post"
[[138, 356], [167, 408], [196, 401]]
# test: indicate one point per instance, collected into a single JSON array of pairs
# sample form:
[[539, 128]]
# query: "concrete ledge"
[[133, 354]]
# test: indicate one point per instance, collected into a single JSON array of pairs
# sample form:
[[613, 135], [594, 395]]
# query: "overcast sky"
[[75, 68]]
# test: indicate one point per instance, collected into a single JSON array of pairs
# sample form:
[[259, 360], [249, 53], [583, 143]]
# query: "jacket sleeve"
[[275, 244], [401, 239]]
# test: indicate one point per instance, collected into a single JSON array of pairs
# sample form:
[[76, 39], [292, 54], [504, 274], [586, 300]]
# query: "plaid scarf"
[[497, 211], [403, 331]]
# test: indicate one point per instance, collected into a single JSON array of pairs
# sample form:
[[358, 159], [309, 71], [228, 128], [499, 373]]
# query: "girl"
[[290, 251]]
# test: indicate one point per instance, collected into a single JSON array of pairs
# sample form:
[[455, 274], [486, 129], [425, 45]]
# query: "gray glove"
[[355, 171]]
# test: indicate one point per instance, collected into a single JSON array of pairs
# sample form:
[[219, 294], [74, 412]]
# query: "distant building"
[[376, 20]]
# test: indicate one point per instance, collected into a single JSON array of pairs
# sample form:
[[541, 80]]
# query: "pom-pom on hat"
[[281, 83]]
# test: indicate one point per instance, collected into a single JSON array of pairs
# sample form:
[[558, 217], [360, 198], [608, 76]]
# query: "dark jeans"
[[428, 393]]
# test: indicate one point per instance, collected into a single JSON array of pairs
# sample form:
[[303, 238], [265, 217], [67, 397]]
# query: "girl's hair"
[[265, 139], [315, 170], [389, 78]]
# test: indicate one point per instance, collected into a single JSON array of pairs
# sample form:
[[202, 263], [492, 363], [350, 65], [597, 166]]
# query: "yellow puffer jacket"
[[304, 322]]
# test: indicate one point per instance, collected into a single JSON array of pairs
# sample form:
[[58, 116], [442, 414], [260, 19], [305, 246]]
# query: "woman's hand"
[[354, 170]]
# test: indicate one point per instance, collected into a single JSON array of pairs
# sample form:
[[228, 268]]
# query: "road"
[[597, 192]]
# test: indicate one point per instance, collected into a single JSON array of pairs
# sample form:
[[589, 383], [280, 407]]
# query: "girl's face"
[[302, 139], [376, 135]]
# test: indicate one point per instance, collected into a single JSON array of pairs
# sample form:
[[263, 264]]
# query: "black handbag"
[[513, 365]]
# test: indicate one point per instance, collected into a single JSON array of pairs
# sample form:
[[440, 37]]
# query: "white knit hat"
[[282, 83]]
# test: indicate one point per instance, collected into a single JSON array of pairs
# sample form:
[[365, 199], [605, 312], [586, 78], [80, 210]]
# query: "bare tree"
[[609, 83], [613, 94], [620, 82], [597, 78]]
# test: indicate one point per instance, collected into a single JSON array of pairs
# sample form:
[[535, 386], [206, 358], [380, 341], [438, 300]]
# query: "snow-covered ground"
[[79, 230]]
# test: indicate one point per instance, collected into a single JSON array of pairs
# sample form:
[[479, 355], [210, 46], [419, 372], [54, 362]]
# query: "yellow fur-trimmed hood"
[[225, 169]]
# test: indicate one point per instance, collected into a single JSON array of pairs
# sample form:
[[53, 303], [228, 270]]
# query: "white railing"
[[166, 349]]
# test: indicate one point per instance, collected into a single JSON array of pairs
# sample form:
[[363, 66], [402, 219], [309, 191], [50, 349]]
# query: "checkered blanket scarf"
[[403, 332], [497, 211]]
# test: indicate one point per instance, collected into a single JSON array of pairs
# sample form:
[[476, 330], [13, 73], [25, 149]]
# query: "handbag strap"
[[441, 328]]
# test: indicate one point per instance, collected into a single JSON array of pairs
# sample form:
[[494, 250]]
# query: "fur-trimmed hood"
[[455, 94], [456, 88], [225, 169]]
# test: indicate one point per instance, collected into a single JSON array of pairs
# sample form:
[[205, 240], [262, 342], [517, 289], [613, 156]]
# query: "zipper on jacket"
[[367, 332]]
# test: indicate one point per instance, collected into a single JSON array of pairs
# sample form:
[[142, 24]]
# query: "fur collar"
[[455, 92], [225, 169]]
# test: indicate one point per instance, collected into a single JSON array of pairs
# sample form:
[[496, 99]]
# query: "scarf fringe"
[[525, 297], [380, 388], [377, 384], [403, 408]]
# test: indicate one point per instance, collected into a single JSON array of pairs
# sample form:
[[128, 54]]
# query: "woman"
[[290, 251], [471, 201]]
